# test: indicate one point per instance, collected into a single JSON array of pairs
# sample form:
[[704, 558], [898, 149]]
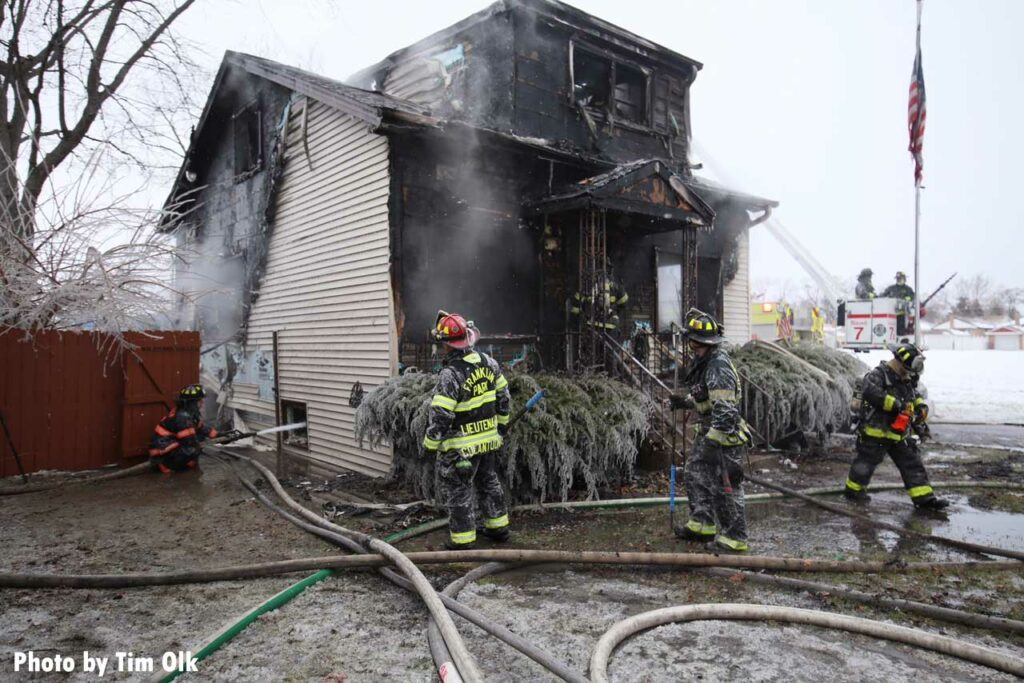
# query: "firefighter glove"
[[680, 402], [502, 430]]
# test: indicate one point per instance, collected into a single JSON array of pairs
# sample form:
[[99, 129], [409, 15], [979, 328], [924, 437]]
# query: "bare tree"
[[64, 68], [88, 86], [100, 265]]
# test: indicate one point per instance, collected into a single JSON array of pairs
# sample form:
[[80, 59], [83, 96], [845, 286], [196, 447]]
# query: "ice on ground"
[[970, 386]]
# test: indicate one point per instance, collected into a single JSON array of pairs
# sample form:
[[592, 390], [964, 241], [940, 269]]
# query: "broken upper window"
[[248, 139], [591, 80], [630, 94], [606, 86]]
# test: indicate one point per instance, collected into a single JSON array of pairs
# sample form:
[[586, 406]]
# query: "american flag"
[[917, 111]]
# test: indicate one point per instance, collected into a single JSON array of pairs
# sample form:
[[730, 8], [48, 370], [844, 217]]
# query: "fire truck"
[[874, 323]]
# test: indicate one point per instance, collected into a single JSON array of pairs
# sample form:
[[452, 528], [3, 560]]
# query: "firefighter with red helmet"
[[469, 413], [174, 446], [889, 413]]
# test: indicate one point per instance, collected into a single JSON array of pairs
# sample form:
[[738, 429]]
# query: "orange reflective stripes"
[[213, 433], [162, 431], [185, 433]]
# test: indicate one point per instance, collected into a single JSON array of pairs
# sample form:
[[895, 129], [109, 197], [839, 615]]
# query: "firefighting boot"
[[932, 503], [497, 535], [452, 545], [724, 545], [696, 532], [855, 492]]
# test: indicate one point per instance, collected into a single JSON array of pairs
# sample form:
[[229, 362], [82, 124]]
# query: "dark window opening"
[[606, 86], [292, 412], [248, 139], [630, 94], [591, 80]]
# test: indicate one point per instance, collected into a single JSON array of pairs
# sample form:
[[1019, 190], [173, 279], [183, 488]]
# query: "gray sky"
[[803, 101]]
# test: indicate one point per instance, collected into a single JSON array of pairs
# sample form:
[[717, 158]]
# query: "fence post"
[[277, 411]]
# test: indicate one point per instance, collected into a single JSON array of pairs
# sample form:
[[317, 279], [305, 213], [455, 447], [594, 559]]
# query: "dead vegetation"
[[783, 395], [584, 435]]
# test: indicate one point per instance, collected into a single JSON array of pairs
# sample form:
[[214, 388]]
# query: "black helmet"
[[910, 357], [702, 328], [192, 392], [865, 273]]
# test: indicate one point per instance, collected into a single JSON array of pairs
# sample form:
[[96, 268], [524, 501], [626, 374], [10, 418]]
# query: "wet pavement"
[[355, 627], [1004, 436]]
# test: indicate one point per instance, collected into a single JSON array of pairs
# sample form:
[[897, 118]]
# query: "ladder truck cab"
[[874, 323]]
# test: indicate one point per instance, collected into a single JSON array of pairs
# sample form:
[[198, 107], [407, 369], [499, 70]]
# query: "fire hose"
[[465, 612], [463, 659], [876, 629]]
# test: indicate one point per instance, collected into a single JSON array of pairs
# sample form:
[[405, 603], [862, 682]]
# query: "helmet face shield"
[[910, 357]]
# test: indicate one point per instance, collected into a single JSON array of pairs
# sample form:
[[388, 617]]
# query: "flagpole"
[[917, 264], [917, 223]]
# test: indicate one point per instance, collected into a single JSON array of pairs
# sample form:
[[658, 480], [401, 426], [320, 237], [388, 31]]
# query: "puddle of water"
[[960, 521]]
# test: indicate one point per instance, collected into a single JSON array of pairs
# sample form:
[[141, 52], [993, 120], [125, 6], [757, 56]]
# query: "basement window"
[[292, 412], [247, 126], [607, 86]]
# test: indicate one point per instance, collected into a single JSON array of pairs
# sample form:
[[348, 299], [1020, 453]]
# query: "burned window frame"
[[609, 109], [247, 129]]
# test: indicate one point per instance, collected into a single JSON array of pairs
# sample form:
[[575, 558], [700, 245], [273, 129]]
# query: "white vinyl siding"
[[736, 296], [327, 290]]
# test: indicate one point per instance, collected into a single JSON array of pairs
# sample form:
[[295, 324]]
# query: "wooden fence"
[[72, 403]]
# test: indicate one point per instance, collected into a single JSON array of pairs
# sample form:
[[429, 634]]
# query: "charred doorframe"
[[609, 113]]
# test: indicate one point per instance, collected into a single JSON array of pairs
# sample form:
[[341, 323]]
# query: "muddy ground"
[[356, 627]]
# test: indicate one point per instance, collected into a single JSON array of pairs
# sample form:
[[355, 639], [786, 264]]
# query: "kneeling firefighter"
[[469, 414], [174, 445], [713, 474], [890, 412]]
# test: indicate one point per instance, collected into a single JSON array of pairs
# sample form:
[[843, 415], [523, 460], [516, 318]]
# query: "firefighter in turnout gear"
[[900, 289], [891, 411], [905, 293], [174, 446], [610, 299], [469, 414], [713, 474], [864, 288]]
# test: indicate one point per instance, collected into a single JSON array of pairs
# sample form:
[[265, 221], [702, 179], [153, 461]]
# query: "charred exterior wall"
[[458, 240], [222, 232], [542, 70], [550, 54]]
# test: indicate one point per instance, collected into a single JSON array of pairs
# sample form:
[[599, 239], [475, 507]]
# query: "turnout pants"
[[713, 512], [871, 452], [460, 486]]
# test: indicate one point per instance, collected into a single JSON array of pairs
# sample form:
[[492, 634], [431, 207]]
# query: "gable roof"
[[645, 186], [362, 104]]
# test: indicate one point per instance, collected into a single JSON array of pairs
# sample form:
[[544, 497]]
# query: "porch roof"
[[647, 187]]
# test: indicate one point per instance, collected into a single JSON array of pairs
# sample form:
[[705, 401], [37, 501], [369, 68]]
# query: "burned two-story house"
[[497, 168]]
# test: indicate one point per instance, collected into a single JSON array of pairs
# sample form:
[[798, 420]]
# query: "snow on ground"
[[970, 386]]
